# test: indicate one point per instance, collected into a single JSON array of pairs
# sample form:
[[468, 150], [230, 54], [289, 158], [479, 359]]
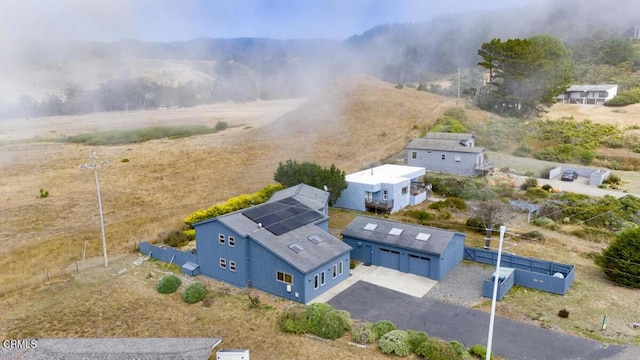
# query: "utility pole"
[[495, 294], [94, 165], [458, 87]]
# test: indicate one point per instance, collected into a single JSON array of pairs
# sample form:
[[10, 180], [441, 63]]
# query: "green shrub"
[[536, 193], [125, 160], [363, 333], [450, 203], [194, 292], [382, 327], [415, 339], [176, 238], [43, 194], [546, 187], [396, 342], [480, 351], [529, 183], [476, 223], [399, 86], [545, 222], [620, 259], [221, 125], [294, 320], [327, 322], [168, 284], [460, 349], [631, 96], [436, 349], [456, 113], [532, 235], [420, 215]]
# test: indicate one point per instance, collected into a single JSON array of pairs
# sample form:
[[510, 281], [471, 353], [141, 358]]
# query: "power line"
[[94, 166]]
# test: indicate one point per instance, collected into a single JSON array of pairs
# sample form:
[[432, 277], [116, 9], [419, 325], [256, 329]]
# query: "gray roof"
[[449, 136], [443, 145], [437, 241], [114, 349], [581, 88], [312, 254], [312, 197]]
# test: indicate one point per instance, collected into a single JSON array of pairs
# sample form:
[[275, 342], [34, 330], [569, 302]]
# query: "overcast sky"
[[176, 20]]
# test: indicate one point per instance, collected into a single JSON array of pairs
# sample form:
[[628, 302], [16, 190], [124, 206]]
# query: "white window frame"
[[334, 271], [281, 276], [221, 239], [323, 278], [231, 241], [316, 281], [414, 154], [444, 157], [232, 266], [340, 268], [223, 263], [385, 195]]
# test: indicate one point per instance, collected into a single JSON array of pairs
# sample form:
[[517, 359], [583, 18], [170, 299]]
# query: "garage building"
[[409, 248]]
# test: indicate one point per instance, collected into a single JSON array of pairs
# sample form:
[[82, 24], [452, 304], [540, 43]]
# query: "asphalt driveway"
[[511, 339]]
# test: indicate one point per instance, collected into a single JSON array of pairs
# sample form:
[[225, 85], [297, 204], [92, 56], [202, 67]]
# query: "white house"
[[448, 153], [589, 94], [385, 188]]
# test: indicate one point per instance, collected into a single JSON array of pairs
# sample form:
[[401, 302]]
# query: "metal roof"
[[443, 145], [115, 349], [449, 136], [585, 88], [312, 197], [412, 236]]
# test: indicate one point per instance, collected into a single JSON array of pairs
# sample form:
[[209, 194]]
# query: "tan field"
[[351, 125]]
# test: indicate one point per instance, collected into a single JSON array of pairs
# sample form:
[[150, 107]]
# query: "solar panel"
[[282, 216]]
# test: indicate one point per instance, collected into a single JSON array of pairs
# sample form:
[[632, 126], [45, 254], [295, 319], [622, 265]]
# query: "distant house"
[[385, 188], [589, 94], [449, 153], [282, 247], [410, 248]]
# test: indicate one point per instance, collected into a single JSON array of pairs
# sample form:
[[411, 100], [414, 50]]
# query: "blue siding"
[[210, 251], [353, 196], [263, 266], [166, 254], [452, 255], [438, 266], [504, 285], [310, 292]]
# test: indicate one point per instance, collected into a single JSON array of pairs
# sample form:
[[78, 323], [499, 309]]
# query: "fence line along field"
[[148, 188]]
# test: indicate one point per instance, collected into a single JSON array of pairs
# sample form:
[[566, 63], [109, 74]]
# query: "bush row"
[[191, 294], [233, 204], [324, 321]]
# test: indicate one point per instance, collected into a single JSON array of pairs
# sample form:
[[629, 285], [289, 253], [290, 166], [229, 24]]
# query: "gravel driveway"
[[463, 284]]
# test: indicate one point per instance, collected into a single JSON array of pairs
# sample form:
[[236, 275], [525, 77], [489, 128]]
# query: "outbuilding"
[[410, 248]]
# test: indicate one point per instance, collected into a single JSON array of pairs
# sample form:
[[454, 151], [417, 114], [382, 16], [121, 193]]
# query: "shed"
[[410, 248]]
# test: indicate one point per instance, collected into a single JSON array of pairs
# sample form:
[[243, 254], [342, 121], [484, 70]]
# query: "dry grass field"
[[351, 125]]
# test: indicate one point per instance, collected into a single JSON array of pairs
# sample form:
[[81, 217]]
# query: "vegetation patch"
[[194, 293], [383, 326], [139, 135], [395, 342], [168, 284], [319, 319], [620, 260]]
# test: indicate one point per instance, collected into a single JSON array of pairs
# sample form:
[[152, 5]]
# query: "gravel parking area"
[[462, 285]]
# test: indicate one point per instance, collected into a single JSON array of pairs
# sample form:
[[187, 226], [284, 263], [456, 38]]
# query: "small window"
[[340, 268], [232, 266], [221, 239], [284, 277], [414, 154], [443, 157], [232, 241], [385, 195], [223, 263], [334, 271], [405, 190], [316, 281], [457, 158], [323, 279]]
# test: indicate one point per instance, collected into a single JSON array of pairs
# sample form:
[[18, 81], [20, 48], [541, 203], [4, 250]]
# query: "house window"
[[334, 271], [284, 277], [602, 94], [457, 158], [414, 154], [443, 156], [368, 195], [223, 263], [384, 195], [316, 281], [340, 268], [232, 241], [221, 239], [323, 279], [405, 190], [232, 266]]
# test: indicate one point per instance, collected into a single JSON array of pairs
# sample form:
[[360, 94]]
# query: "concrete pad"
[[410, 284]]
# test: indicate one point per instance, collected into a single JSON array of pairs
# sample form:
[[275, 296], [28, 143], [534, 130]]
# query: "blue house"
[[385, 188], [282, 246], [409, 248]]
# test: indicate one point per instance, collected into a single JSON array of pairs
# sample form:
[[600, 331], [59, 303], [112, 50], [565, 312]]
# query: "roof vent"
[[296, 248], [370, 226], [423, 236], [395, 231]]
